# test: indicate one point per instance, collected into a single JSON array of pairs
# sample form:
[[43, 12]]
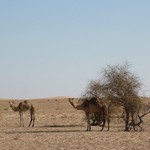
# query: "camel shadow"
[[43, 131], [46, 129], [50, 131], [61, 126]]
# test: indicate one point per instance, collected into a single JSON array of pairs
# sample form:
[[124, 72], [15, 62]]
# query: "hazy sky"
[[55, 47]]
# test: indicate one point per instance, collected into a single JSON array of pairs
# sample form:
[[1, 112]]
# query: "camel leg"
[[21, 119], [88, 122], [32, 119], [103, 124], [108, 121], [32, 112], [104, 121]]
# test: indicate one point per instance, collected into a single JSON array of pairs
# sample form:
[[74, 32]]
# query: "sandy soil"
[[59, 127]]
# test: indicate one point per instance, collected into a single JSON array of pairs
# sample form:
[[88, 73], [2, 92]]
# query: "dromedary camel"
[[93, 106], [23, 107]]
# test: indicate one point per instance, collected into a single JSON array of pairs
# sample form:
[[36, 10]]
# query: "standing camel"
[[93, 106], [23, 107]]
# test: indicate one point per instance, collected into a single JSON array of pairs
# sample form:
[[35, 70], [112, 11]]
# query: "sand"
[[58, 126]]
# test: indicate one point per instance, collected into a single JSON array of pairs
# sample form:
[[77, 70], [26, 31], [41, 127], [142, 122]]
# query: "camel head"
[[12, 106], [70, 99], [11, 103], [78, 107]]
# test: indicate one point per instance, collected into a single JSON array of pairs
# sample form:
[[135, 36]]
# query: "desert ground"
[[58, 126]]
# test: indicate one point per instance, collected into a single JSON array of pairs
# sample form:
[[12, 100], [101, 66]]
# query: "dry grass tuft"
[[6, 108], [16, 138]]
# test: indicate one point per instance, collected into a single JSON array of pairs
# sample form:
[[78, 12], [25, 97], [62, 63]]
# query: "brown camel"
[[93, 106], [23, 107]]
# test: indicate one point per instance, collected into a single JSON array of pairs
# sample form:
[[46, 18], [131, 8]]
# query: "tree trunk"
[[126, 119]]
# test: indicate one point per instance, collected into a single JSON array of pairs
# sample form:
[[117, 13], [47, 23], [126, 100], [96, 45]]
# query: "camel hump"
[[86, 103], [93, 100]]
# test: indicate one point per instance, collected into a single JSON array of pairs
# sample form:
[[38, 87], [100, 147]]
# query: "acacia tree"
[[120, 86]]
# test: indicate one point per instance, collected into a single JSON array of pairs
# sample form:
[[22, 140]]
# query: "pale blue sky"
[[55, 47]]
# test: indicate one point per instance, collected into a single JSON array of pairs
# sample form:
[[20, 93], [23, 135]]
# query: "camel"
[[93, 106], [23, 107]]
